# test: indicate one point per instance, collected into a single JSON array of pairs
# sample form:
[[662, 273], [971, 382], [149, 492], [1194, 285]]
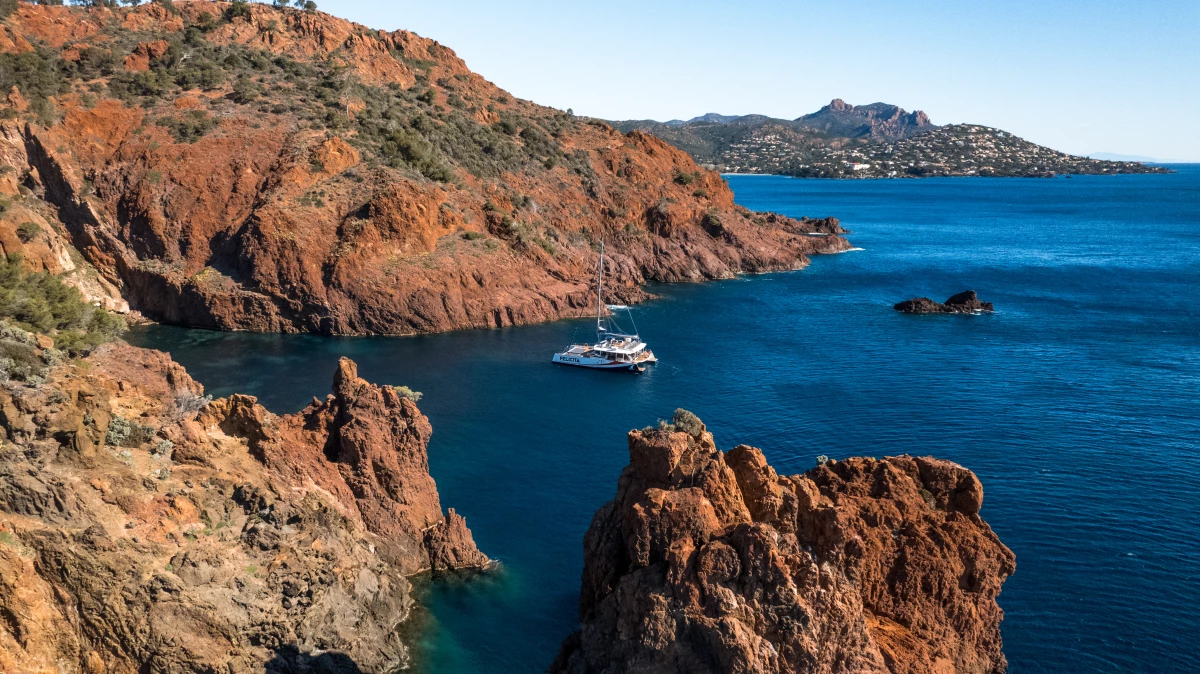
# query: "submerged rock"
[[709, 561], [966, 302], [146, 528]]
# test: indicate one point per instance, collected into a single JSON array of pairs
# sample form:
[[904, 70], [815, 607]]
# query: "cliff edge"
[[145, 527], [241, 166], [708, 561]]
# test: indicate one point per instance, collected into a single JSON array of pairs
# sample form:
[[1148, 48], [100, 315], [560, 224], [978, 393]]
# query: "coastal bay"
[[1096, 282]]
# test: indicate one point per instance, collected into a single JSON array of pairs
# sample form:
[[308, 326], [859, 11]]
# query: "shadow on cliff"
[[289, 660]]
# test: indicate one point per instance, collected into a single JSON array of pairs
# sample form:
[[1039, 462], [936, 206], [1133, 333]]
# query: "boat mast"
[[600, 292]]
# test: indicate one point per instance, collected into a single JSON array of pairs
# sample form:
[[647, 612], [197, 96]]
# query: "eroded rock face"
[[966, 302], [270, 222], [143, 528], [711, 562]]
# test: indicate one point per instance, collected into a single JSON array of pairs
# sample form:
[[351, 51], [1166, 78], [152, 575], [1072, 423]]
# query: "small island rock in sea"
[[966, 302]]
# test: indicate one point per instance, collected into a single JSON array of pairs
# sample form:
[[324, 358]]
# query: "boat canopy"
[[627, 348]]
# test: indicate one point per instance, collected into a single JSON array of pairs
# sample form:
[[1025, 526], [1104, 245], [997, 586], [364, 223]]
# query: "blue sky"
[[1084, 76]]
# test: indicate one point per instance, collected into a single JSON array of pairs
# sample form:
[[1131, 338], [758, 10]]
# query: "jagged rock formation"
[[877, 120], [711, 562], [146, 529], [966, 302], [258, 168]]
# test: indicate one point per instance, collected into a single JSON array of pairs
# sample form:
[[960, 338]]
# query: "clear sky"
[[1080, 76]]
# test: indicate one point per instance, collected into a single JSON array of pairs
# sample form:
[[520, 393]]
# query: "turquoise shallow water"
[[1077, 403]]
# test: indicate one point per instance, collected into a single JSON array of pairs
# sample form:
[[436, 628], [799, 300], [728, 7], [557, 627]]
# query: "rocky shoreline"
[[146, 527], [240, 166], [708, 561]]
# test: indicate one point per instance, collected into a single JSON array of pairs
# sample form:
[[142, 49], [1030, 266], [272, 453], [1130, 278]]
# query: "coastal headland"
[[240, 166]]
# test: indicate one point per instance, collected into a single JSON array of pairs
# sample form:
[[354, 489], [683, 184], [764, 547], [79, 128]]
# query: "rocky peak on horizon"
[[875, 120], [838, 118]]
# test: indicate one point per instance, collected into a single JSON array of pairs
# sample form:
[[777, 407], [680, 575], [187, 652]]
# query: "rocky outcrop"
[[708, 561], [365, 444], [877, 120], [298, 172], [966, 302], [144, 527]]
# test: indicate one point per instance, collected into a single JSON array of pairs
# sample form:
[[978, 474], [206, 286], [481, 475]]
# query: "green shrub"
[[93, 63], [687, 422], [37, 73], [244, 90], [405, 146], [238, 9], [19, 361], [189, 128], [7, 7], [200, 74], [26, 231], [152, 83], [119, 431], [41, 302], [124, 433], [406, 392], [205, 21], [682, 178], [711, 222]]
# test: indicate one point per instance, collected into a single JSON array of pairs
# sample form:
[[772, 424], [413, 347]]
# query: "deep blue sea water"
[[1077, 403]]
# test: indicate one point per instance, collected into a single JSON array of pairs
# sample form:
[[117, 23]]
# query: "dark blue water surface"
[[1077, 403]]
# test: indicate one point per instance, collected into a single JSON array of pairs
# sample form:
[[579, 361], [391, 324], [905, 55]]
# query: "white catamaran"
[[614, 349]]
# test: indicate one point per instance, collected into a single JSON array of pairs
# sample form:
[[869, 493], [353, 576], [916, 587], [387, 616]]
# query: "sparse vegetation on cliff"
[[406, 392], [313, 163], [40, 302]]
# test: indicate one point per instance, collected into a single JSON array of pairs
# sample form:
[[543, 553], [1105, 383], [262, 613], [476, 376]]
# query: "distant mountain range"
[[1113, 156], [866, 141]]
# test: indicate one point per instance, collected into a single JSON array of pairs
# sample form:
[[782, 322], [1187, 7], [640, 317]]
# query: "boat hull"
[[595, 363]]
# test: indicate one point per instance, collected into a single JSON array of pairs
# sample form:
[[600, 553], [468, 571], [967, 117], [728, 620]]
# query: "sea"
[[1077, 403]]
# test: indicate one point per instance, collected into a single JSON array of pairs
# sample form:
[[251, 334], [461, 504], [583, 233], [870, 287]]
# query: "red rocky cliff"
[[708, 561], [365, 444], [280, 170], [144, 528]]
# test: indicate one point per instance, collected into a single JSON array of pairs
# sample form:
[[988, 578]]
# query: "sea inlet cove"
[[366, 338]]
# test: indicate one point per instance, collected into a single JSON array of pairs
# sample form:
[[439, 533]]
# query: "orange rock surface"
[[144, 527], [708, 561], [308, 206]]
